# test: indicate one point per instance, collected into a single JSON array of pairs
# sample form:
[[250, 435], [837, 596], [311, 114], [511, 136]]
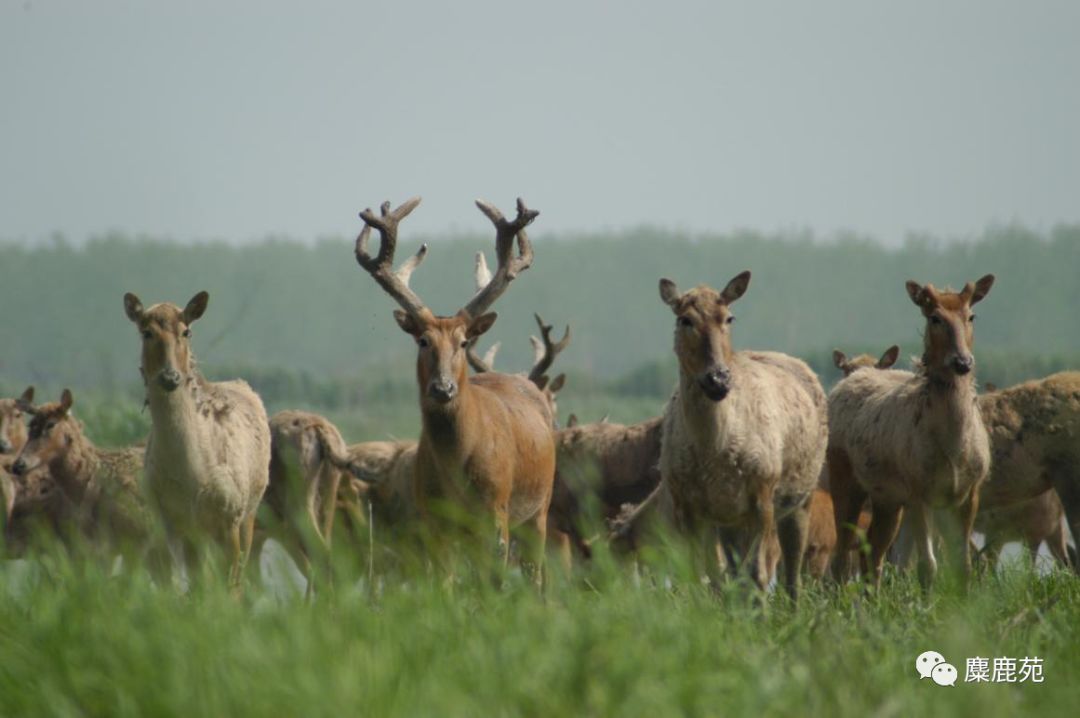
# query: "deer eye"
[[935, 319], [971, 318], [147, 334], [464, 343], [685, 322], [730, 320], [49, 426], [186, 333], [423, 343]]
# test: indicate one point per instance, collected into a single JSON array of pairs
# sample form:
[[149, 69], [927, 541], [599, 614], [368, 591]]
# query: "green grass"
[[74, 641]]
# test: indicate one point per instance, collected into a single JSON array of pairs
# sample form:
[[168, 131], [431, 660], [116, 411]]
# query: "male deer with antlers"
[[486, 441]]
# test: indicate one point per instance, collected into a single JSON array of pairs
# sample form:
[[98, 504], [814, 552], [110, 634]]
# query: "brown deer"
[[821, 537], [104, 486], [618, 464], [1032, 522], [1034, 429], [564, 514], [486, 441], [208, 454], [308, 468], [743, 439], [912, 441]]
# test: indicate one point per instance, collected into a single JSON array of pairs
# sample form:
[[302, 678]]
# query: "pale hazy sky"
[[239, 119]]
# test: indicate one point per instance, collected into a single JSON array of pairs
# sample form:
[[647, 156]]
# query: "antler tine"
[[405, 270], [481, 365], [395, 283], [481, 273], [509, 266], [546, 350]]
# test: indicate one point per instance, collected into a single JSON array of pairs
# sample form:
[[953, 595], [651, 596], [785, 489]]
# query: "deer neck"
[[704, 417], [175, 418], [76, 468], [951, 402], [449, 429]]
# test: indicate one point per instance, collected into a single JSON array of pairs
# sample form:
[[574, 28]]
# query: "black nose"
[[442, 392], [19, 467], [716, 383], [169, 379], [963, 365]]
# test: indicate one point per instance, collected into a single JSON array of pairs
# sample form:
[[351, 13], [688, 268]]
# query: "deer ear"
[[923, 297], [669, 292], [839, 359], [26, 401], [66, 400], [982, 288], [542, 382], [196, 307], [408, 323], [557, 384], [889, 357], [133, 307], [736, 287], [571, 421], [480, 325]]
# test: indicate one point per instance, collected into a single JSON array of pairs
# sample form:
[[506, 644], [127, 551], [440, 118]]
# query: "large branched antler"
[[545, 350], [380, 267], [509, 266]]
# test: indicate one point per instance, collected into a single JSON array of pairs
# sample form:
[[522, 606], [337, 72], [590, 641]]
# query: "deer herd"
[[750, 462]]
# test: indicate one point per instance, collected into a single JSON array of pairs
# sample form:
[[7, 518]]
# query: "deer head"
[[167, 360], [950, 330], [703, 321], [52, 430], [865, 361], [443, 341], [12, 428]]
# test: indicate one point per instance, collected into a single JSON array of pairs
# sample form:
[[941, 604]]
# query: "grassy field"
[[75, 641]]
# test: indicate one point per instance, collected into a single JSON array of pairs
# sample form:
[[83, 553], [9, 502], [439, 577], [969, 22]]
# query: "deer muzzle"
[[5, 445], [963, 363], [442, 391], [169, 379], [716, 382], [19, 468]]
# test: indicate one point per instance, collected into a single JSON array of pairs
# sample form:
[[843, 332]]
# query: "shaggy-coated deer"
[[486, 441], [208, 454], [743, 442], [12, 438], [1035, 438], [912, 442], [103, 486]]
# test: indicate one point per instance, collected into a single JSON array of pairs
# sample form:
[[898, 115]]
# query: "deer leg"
[[792, 530], [1067, 483], [236, 558], [884, 524], [330, 480], [922, 526], [539, 550], [848, 499], [761, 535], [1058, 545], [502, 544], [966, 513]]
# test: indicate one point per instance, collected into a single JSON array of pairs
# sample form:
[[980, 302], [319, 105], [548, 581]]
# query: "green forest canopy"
[[309, 310]]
